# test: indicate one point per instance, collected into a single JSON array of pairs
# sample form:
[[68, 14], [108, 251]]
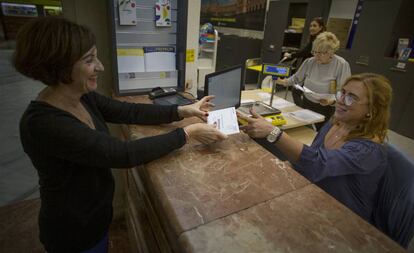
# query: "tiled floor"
[[18, 178], [19, 221]]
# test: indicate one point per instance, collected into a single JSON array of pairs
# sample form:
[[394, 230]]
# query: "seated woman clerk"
[[316, 27], [322, 73], [64, 132], [347, 158]]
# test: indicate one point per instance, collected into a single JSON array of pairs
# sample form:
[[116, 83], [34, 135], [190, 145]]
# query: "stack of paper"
[[147, 59], [130, 60]]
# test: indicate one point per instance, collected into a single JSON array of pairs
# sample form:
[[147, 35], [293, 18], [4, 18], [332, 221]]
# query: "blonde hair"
[[326, 42], [375, 125]]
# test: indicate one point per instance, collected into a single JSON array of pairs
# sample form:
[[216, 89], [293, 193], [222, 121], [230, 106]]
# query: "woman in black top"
[[316, 27], [64, 133]]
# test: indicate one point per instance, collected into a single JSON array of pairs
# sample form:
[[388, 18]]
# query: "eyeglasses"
[[319, 53], [348, 99]]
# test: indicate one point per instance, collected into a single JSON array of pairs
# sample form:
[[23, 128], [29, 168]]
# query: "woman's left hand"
[[199, 109]]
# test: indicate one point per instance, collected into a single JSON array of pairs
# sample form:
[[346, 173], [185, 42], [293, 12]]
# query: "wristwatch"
[[274, 135]]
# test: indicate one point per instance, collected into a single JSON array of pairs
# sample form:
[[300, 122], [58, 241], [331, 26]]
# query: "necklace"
[[336, 136]]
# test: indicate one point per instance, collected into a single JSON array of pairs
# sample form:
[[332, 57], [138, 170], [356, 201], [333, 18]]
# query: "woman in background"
[[323, 73], [316, 27]]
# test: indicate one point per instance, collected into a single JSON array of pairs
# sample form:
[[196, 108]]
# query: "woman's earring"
[[367, 115]]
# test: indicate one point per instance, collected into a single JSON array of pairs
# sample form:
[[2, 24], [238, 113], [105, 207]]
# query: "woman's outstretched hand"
[[257, 127], [199, 109], [204, 133]]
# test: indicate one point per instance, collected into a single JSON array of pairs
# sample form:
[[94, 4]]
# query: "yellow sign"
[[163, 75], [130, 52], [189, 55]]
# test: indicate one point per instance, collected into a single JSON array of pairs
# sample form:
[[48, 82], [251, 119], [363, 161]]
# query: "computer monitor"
[[276, 70], [226, 86]]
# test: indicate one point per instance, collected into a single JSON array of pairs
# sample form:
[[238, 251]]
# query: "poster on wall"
[[234, 13], [163, 13], [127, 12]]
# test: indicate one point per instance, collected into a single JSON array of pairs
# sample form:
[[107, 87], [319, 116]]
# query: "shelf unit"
[[372, 51], [207, 56], [146, 34]]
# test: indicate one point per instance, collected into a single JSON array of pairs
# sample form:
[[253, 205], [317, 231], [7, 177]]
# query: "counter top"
[[235, 196], [306, 220]]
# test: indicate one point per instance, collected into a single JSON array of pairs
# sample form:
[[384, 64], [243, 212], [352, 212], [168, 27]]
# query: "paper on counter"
[[306, 115], [264, 96], [313, 95], [226, 120], [279, 103], [245, 101]]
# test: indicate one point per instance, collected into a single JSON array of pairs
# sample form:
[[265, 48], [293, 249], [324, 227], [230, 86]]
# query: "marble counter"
[[306, 220], [235, 196]]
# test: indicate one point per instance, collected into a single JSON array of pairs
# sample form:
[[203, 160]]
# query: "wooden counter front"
[[235, 196]]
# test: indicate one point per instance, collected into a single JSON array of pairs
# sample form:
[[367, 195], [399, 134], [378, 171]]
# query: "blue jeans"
[[100, 247]]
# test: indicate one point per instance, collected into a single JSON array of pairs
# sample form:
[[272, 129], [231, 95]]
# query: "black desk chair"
[[394, 213]]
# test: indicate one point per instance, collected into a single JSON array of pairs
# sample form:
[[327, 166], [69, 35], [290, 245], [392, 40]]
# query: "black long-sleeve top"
[[305, 52], [73, 163]]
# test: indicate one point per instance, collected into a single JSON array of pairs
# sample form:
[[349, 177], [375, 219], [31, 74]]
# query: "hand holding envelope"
[[225, 120]]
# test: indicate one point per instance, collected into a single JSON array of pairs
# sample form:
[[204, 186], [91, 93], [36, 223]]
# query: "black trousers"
[[297, 96]]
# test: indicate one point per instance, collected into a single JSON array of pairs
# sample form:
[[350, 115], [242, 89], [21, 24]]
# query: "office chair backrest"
[[394, 212]]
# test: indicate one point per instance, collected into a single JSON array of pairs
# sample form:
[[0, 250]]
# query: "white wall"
[[193, 27], [97, 20]]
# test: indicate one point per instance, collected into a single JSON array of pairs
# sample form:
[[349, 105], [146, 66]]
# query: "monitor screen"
[[226, 86], [276, 70]]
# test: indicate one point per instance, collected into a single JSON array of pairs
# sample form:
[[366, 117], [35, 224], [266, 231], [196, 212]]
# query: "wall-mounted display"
[[234, 13], [146, 56]]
